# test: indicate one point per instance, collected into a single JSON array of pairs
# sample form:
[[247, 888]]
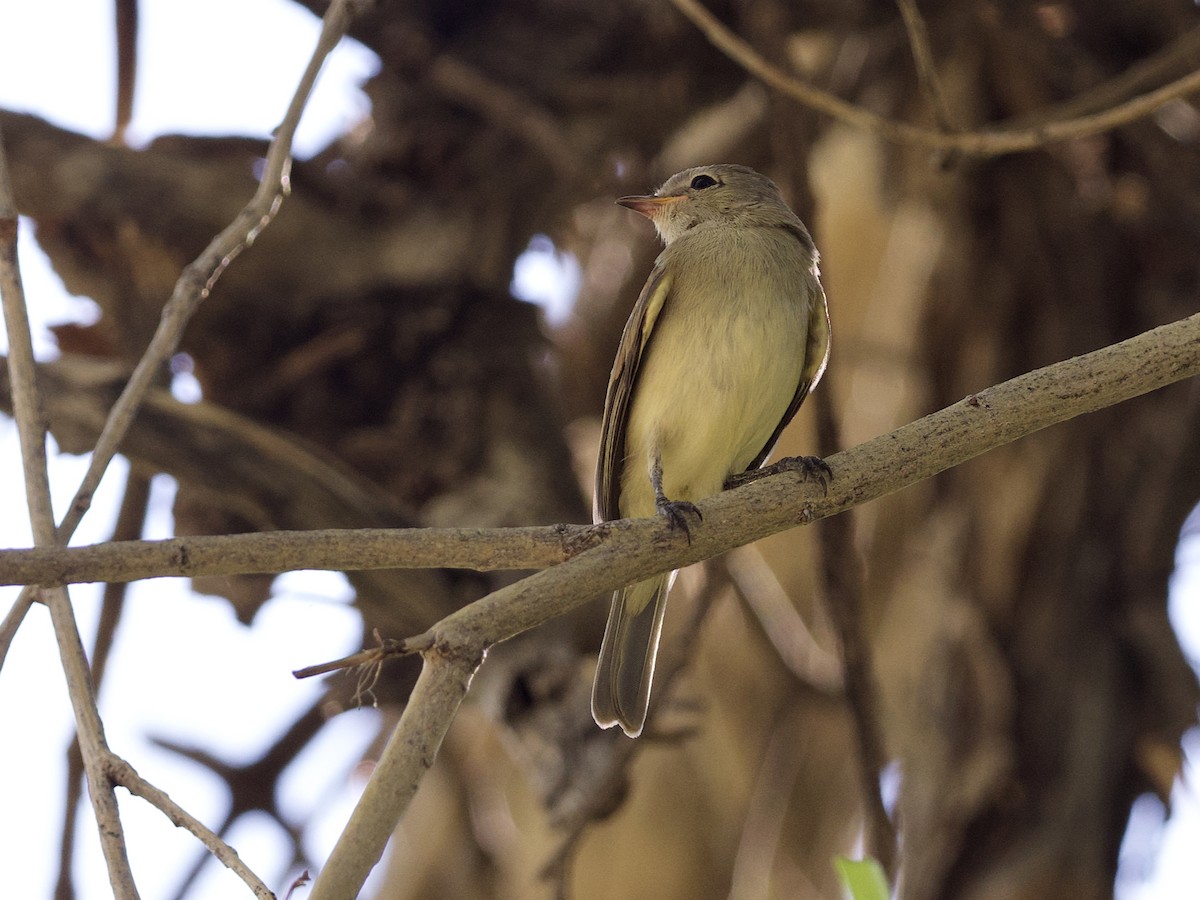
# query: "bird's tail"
[[621, 693]]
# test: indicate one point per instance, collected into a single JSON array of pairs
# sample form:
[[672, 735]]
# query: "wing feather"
[[816, 355], [634, 339]]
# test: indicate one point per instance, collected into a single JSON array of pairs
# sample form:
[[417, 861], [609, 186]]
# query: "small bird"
[[729, 335]]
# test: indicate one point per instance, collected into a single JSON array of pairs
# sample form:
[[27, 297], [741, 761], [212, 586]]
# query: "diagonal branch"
[[636, 549], [198, 278], [193, 286], [994, 141], [104, 769], [882, 466], [31, 427], [918, 40], [125, 775]]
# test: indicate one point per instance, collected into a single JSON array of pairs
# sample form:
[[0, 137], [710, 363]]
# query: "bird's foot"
[[813, 468], [677, 512]]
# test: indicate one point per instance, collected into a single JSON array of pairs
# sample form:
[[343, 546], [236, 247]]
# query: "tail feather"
[[625, 669]]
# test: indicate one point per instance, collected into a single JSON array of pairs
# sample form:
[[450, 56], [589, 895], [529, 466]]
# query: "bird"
[[728, 337]]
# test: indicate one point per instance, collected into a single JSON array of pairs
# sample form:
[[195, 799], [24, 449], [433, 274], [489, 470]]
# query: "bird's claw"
[[677, 512], [813, 468]]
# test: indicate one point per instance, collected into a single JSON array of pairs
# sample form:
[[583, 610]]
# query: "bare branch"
[[130, 521], [127, 36], [193, 286], [26, 406], [889, 463], [199, 277], [785, 630], [32, 431], [918, 39], [636, 549], [1181, 54], [408, 755], [994, 141], [125, 775], [337, 549]]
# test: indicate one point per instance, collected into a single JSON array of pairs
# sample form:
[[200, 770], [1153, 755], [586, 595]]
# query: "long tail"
[[621, 692]]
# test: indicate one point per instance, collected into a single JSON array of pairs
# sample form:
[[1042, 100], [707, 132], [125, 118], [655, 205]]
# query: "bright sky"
[[229, 67], [196, 675]]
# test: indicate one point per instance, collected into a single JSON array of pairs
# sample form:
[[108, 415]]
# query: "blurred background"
[[423, 337]]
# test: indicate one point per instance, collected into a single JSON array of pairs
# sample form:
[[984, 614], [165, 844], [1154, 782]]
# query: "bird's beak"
[[648, 205]]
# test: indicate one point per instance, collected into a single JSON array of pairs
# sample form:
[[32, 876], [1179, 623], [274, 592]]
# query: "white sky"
[[229, 67], [219, 67]]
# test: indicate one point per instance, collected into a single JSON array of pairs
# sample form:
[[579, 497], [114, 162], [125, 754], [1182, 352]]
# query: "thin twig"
[[31, 428], [194, 285], [127, 39], [931, 85], [786, 631], [14, 617], [844, 603], [369, 658], [994, 141], [22, 368], [124, 774], [130, 520]]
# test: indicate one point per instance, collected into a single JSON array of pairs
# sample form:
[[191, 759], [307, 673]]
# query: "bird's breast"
[[720, 369]]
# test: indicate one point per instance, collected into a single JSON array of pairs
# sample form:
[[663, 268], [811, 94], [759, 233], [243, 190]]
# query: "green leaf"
[[864, 878]]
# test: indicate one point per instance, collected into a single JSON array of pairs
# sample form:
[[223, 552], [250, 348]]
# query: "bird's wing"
[[816, 355], [620, 390]]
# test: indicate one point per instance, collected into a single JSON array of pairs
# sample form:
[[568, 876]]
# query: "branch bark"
[[634, 549], [198, 279], [997, 140], [104, 769], [193, 286], [31, 427]]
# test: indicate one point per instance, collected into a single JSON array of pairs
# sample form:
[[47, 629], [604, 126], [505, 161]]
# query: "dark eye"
[[700, 182]]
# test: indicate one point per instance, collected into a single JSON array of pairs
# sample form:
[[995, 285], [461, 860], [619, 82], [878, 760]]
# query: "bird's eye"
[[700, 182]]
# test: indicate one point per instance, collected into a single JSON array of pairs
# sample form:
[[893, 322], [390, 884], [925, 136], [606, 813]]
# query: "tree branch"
[[125, 775], [105, 769], [1182, 53], [884, 465], [411, 750], [918, 40], [198, 278], [995, 141], [335, 549], [193, 286], [130, 520], [31, 428], [636, 549]]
